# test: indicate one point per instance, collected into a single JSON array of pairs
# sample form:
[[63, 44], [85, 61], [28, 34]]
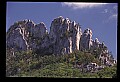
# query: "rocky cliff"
[[64, 37], [24, 35]]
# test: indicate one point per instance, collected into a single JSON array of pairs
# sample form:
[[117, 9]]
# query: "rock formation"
[[24, 35], [64, 37], [86, 40]]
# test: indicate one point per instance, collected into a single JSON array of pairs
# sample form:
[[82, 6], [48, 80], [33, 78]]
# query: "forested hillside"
[[29, 64]]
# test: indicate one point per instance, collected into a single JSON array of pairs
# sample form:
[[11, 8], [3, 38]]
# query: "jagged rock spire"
[[64, 37]]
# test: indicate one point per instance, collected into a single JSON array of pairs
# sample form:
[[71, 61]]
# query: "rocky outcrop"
[[96, 43], [86, 40], [24, 35], [64, 37]]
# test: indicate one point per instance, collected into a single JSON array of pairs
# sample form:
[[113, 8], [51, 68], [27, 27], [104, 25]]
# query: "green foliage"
[[97, 52], [29, 64], [107, 72]]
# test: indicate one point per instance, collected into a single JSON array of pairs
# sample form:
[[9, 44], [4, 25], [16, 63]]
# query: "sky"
[[101, 18]]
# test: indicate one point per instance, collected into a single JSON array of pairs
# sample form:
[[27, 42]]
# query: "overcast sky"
[[101, 18]]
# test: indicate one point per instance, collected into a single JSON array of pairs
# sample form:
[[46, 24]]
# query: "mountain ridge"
[[70, 28], [65, 36], [30, 46]]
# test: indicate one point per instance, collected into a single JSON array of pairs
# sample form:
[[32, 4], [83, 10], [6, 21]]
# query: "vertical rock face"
[[76, 35], [64, 37], [24, 35], [16, 40], [86, 40]]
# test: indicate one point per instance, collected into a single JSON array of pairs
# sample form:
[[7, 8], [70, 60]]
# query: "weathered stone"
[[64, 37], [86, 40], [24, 35]]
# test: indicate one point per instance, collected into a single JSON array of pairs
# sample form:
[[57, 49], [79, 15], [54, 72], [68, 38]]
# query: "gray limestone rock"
[[24, 35], [64, 37], [86, 40]]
